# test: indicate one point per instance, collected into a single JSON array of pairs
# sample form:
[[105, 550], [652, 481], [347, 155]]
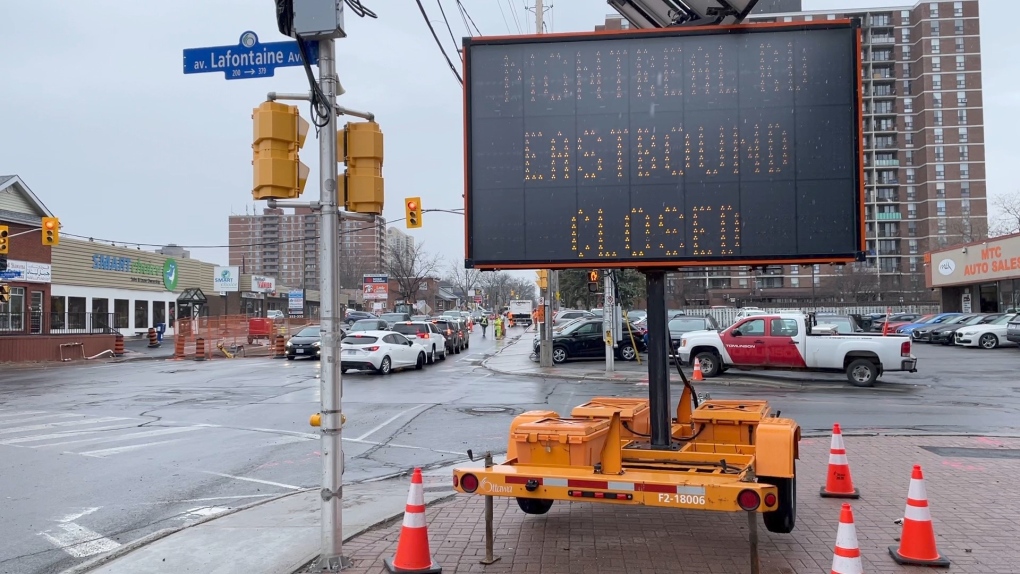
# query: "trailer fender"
[[776, 447]]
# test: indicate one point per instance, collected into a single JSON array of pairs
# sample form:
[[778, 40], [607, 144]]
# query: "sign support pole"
[[608, 315], [658, 366], [331, 558], [545, 336]]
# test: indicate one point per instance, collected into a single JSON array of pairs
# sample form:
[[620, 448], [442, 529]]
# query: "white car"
[[427, 334], [987, 336], [380, 351]]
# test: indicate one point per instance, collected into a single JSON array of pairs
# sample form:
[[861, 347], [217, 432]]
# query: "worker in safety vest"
[[484, 322]]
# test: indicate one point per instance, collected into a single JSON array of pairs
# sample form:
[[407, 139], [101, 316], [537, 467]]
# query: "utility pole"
[[608, 318], [331, 389], [539, 10]]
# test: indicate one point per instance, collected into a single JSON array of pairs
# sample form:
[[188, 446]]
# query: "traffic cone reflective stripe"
[[917, 541], [838, 483], [697, 371], [413, 555], [846, 559]]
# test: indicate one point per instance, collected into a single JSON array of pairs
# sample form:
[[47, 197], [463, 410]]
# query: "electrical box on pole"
[[279, 133], [360, 148], [50, 231]]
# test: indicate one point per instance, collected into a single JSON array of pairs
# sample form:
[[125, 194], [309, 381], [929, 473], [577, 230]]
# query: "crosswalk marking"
[[62, 424], [62, 434], [117, 450], [134, 435], [6, 414], [35, 418], [77, 540]]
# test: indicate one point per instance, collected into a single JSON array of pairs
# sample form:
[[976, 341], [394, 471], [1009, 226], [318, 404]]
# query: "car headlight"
[[289, 344], [317, 344], [683, 342]]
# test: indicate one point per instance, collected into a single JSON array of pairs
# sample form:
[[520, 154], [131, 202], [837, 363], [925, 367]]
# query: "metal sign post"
[[608, 316]]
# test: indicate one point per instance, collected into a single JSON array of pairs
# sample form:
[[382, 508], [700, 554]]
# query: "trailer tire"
[[782, 519], [534, 505], [862, 373]]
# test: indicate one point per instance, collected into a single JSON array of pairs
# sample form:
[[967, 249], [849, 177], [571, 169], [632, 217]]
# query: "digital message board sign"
[[698, 146]]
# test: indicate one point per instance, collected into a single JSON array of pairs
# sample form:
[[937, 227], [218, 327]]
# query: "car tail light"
[[748, 500], [449, 331], [372, 348], [423, 335], [770, 500], [456, 481], [905, 349], [469, 483]]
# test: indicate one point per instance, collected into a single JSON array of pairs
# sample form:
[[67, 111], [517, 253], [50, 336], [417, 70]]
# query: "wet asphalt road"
[[92, 457]]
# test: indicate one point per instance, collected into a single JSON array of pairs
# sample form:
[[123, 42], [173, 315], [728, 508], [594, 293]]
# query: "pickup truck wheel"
[[782, 519], [862, 373], [534, 505], [709, 363]]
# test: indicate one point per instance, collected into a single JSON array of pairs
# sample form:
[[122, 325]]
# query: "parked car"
[[786, 342], [380, 351], [584, 339], [908, 329], [680, 326], [923, 334], [369, 325], [1013, 330], [988, 335], [565, 315], [304, 343], [903, 318], [845, 324], [394, 318], [275, 314], [636, 314], [947, 334], [353, 316], [428, 336], [451, 331]]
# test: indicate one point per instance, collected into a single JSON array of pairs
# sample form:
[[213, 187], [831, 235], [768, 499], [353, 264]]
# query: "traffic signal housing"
[[360, 148], [593, 281], [5, 243], [412, 212], [542, 278], [5, 293], [278, 133], [50, 231]]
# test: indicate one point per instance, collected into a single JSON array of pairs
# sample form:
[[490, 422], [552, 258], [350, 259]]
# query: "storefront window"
[[58, 313], [120, 313], [100, 307], [141, 314], [173, 314], [12, 313], [75, 312], [158, 312]]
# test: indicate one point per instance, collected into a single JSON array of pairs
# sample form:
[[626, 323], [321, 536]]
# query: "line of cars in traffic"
[[390, 341]]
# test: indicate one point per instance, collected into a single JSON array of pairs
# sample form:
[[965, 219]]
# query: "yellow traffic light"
[[360, 148], [50, 231], [279, 132], [543, 279], [5, 245], [412, 211], [5, 293]]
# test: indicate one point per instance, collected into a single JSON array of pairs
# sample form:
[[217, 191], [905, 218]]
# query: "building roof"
[[26, 207]]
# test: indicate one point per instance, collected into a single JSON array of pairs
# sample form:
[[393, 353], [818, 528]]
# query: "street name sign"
[[248, 58]]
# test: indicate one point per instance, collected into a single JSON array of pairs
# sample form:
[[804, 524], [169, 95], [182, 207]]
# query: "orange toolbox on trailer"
[[566, 442], [634, 414]]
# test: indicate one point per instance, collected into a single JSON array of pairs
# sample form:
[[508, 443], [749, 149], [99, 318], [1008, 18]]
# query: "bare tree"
[[1007, 221], [410, 268], [497, 286], [353, 267], [855, 283], [463, 279]]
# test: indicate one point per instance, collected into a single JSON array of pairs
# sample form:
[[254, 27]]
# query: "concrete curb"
[[159, 534]]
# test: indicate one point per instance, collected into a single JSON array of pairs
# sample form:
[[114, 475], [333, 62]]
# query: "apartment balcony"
[[890, 234], [883, 40], [889, 216], [887, 163]]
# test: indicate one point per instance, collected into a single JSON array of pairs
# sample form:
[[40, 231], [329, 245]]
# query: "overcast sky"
[[98, 118]]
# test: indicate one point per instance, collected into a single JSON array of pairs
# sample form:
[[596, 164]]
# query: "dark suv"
[[357, 316], [454, 331], [584, 339]]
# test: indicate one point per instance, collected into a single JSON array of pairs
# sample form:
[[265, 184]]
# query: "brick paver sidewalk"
[[973, 494]]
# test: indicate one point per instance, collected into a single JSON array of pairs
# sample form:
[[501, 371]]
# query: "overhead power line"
[[435, 37]]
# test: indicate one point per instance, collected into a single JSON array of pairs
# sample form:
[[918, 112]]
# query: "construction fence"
[[227, 336]]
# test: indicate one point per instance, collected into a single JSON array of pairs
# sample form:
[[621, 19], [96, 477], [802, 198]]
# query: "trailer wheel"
[[782, 519], [534, 505], [862, 373]]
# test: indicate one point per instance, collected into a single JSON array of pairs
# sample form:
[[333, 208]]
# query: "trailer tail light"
[[456, 481], [748, 500], [469, 483], [602, 495], [770, 500], [905, 349]]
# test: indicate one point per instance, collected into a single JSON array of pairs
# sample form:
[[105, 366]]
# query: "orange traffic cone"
[[697, 371], [839, 484], [917, 542], [413, 556], [847, 557]]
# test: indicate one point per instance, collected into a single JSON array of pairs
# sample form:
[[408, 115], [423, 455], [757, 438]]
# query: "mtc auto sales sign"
[[263, 284], [991, 260]]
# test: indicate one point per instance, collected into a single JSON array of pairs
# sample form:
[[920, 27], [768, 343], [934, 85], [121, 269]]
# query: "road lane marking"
[[205, 511], [31, 428], [388, 421], [63, 434], [246, 479], [6, 414], [102, 453], [395, 445], [77, 540], [207, 499], [36, 419], [145, 434], [273, 431]]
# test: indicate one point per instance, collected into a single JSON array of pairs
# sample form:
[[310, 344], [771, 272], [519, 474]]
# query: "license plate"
[[299, 351]]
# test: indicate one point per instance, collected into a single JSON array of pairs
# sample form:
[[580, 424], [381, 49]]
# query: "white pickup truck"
[[786, 342]]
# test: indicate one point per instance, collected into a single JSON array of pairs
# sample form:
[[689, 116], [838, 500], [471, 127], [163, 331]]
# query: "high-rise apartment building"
[[924, 160], [285, 245], [397, 240]]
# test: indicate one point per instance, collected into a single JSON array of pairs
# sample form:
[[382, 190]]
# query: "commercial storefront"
[[129, 289], [979, 277], [25, 268]]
